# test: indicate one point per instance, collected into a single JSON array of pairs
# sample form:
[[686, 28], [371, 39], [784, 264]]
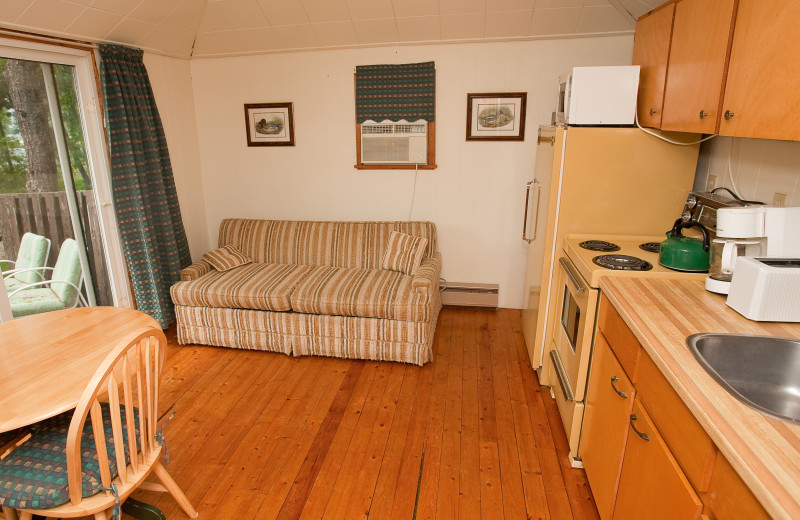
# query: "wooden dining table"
[[46, 360]]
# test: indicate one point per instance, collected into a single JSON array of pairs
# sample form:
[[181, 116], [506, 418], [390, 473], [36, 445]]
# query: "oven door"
[[574, 330]]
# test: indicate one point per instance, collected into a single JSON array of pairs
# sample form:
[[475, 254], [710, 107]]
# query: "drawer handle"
[[728, 115], [614, 379], [640, 434], [704, 114]]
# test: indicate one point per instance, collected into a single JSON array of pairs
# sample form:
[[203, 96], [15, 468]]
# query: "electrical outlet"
[[711, 183], [779, 199]]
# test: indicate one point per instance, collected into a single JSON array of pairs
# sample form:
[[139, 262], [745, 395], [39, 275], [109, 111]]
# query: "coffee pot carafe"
[[724, 253]]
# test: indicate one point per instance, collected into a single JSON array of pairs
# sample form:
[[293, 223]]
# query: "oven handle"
[[563, 380], [574, 277]]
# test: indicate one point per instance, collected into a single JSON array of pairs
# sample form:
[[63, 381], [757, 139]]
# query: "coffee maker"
[[754, 231]]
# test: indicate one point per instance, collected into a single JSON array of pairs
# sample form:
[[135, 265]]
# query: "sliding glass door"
[[55, 198]]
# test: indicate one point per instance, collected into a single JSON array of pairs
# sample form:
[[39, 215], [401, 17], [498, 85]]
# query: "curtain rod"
[[32, 36]]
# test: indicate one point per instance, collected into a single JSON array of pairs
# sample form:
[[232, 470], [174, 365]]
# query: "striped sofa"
[[313, 288]]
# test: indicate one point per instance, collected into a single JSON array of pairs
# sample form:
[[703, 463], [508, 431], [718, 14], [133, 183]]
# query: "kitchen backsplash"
[[759, 167]]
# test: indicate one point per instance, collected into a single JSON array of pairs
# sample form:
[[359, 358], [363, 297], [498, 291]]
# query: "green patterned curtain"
[[145, 199], [396, 92]]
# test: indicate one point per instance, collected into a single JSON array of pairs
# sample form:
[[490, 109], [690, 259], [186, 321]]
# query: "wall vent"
[[471, 294]]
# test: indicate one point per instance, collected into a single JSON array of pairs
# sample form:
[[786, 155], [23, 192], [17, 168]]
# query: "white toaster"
[[766, 289]]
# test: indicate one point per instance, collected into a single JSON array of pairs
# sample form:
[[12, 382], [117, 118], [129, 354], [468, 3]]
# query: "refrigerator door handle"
[[535, 186]]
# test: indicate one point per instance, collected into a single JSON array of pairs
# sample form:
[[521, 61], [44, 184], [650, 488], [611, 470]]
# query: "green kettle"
[[685, 253]]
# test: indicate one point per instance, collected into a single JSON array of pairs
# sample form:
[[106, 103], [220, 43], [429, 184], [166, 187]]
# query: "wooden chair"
[[69, 466]]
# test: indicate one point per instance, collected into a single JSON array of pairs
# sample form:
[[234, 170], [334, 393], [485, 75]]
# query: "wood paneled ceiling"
[[203, 28]]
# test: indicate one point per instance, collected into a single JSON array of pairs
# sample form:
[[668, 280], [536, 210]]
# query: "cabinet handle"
[[704, 114], [640, 434], [728, 114], [653, 111], [614, 379]]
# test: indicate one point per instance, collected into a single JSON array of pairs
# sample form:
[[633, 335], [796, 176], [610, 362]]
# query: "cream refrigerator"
[[618, 181]]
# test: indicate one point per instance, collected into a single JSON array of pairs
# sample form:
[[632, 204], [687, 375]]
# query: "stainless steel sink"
[[763, 372]]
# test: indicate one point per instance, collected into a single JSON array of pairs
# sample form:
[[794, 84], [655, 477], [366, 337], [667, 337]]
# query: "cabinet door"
[[651, 53], [700, 41], [652, 484], [763, 86], [609, 400]]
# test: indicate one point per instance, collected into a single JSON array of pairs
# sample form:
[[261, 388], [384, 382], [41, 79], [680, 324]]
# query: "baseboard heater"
[[471, 294]]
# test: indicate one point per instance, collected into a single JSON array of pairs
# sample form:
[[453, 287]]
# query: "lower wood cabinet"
[[652, 484], [609, 400], [644, 452]]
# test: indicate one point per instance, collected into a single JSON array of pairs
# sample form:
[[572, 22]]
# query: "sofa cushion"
[[336, 244], [253, 286], [369, 293], [403, 253], [225, 258]]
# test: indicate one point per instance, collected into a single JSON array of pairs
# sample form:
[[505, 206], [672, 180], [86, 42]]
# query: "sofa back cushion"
[[336, 244]]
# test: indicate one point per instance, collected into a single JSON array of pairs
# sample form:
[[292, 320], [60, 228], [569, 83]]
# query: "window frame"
[[91, 111]]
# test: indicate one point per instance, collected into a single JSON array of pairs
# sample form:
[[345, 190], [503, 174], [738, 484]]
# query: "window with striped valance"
[[400, 92]]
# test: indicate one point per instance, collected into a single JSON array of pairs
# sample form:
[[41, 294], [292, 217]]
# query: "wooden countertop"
[[662, 314]]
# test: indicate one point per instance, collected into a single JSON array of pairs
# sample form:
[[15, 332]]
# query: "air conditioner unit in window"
[[394, 143]]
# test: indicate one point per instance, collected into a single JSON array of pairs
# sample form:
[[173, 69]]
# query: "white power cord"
[[730, 171], [414, 191], [645, 130]]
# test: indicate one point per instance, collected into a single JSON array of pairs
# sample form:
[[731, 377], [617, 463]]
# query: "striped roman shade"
[[225, 258], [404, 253], [395, 92]]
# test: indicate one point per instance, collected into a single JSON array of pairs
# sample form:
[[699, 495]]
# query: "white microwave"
[[598, 96]]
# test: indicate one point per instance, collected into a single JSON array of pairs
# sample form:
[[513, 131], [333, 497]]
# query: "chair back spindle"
[[135, 362]]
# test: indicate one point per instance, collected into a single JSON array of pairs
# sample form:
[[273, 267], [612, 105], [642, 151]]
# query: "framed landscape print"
[[496, 117], [269, 124]]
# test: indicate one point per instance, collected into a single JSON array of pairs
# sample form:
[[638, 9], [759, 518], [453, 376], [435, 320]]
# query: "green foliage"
[[13, 157]]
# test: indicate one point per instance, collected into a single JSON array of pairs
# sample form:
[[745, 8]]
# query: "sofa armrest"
[[195, 271], [426, 278]]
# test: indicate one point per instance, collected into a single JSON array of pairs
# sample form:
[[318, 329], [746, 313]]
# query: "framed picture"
[[496, 117], [269, 124]]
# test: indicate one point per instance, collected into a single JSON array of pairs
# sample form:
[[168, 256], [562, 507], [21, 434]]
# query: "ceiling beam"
[[624, 12]]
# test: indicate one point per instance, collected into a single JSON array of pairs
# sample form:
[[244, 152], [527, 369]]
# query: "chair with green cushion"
[[31, 259], [61, 291]]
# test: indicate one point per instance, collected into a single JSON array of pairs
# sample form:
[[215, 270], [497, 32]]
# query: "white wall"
[[171, 80], [475, 197], [759, 167]]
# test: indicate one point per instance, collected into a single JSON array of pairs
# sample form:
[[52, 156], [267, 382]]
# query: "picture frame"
[[496, 116], [269, 124]]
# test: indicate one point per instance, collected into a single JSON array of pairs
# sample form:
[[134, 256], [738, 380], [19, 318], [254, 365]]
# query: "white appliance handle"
[[729, 255], [535, 186]]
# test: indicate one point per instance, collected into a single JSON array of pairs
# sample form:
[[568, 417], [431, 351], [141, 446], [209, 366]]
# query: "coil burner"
[[622, 263], [599, 245], [651, 247]]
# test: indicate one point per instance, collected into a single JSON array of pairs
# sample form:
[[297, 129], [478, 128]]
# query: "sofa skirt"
[[309, 334]]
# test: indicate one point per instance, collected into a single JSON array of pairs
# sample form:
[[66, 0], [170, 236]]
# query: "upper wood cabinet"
[[700, 41], [763, 87], [729, 61], [651, 53]]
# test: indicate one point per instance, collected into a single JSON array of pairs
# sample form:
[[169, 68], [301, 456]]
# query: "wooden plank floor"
[[472, 435]]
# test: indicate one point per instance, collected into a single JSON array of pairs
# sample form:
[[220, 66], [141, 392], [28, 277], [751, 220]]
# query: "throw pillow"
[[225, 258], [404, 253]]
